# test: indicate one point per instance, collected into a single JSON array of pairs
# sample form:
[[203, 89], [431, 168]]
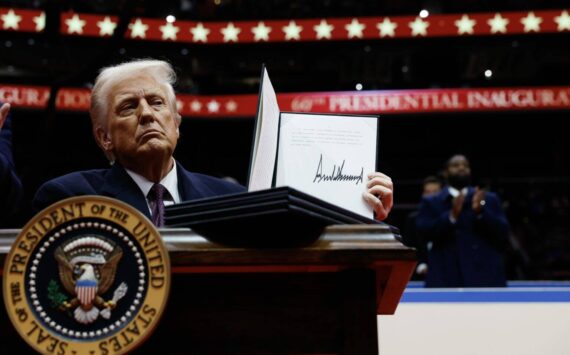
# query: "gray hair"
[[109, 77]]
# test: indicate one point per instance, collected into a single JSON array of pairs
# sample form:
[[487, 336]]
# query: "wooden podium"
[[321, 299]]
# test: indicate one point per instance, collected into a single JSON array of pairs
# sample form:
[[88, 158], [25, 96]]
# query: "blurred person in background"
[[11, 191], [467, 230]]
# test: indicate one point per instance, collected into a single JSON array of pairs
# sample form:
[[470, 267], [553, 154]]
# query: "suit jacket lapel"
[[446, 196], [118, 184], [186, 187]]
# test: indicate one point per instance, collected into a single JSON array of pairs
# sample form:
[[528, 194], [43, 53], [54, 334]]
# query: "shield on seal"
[[86, 291]]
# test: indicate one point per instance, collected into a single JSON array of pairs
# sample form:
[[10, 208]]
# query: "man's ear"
[[103, 139], [178, 120]]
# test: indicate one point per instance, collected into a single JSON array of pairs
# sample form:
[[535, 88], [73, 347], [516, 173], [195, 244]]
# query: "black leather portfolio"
[[278, 217]]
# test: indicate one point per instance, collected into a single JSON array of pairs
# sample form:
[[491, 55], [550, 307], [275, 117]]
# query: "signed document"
[[328, 156], [324, 155]]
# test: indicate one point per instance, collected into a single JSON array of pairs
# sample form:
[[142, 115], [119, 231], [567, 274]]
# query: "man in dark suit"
[[467, 229], [10, 186], [135, 122], [11, 192]]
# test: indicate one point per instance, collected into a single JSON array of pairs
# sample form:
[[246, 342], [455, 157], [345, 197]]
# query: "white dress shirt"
[[454, 192], [170, 182]]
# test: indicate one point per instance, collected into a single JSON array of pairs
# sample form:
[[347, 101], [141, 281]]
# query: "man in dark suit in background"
[[11, 191], [135, 122], [468, 231]]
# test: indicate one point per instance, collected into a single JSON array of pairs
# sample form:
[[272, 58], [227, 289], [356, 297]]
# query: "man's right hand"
[[3, 114], [457, 206]]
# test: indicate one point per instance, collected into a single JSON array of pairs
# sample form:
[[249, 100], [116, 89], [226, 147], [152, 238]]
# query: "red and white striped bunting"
[[329, 29], [356, 102]]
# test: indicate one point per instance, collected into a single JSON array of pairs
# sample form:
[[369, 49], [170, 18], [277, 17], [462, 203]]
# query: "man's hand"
[[478, 200], [3, 114], [457, 206], [380, 194], [422, 269]]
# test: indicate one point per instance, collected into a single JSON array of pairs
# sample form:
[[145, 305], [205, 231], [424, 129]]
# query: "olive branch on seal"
[[54, 294]]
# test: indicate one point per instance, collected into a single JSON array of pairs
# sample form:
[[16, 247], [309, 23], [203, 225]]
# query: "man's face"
[[458, 166], [141, 124], [431, 188], [458, 172]]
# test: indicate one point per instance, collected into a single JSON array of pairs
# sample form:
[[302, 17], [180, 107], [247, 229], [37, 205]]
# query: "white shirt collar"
[[454, 192], [170, 182]]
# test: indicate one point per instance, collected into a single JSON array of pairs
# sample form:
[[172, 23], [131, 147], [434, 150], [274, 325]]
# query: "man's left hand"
[[380, 194], [478, 200]]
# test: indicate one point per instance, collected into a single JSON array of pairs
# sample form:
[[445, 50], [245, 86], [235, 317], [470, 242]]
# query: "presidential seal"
[[87, 275]]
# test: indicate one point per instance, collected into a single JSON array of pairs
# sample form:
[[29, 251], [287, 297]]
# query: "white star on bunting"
[[419, 27], [195, 106], [563, 21], [261, 32], [75, 24], [292, 31], [531, 22], [200, 33], [179, 105], [355, 28], [498, 24], [11, 20], [138, 29], [213, 106], [106, 27], [169, 31], [323, 30], [387, 28], [40, 22], [231, 106], [230, 32], [465, 25]]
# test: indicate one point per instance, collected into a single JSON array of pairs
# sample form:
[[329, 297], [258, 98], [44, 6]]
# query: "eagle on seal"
[[87, 267]]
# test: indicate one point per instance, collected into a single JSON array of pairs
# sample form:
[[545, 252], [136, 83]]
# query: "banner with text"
[[352, 102]]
